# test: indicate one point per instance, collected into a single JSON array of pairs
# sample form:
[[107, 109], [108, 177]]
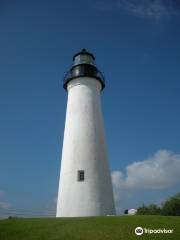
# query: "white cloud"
[[143, 8], [160, 171]]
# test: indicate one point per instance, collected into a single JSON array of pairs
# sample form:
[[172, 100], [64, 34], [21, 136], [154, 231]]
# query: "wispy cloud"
[[1, 193], [5, 207], [143, 8], [50, 209], [160, 171]]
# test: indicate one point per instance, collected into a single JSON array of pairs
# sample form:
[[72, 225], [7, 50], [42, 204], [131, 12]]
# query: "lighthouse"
[[85, 187]]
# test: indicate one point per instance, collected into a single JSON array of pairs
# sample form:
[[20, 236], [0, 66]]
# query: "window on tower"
[[80, 176]]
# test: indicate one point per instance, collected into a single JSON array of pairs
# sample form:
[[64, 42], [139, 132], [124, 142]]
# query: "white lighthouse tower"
[[85, 187]]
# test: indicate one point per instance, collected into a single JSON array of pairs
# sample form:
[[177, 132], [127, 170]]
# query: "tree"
[[152, 209], [172, 206], [142, 210]]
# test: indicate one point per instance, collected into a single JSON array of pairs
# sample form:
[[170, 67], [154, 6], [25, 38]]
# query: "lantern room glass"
[[83, 59]]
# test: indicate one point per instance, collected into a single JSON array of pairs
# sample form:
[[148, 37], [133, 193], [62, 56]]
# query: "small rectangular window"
[[80, 175]]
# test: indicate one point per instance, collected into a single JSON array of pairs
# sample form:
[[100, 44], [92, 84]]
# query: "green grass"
[[91, 228]]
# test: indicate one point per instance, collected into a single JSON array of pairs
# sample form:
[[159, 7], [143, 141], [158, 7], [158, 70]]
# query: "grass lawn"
[[90, 228]]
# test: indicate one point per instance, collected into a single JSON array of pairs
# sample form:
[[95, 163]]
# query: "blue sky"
[[136, 44]]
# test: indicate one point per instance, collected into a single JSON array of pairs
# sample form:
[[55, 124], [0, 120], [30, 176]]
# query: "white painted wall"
[[84, 148]]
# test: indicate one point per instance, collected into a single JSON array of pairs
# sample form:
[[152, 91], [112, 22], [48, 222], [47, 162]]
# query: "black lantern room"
[[83, 66]]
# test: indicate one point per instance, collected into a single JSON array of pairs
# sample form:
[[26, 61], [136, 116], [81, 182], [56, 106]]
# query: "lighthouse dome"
[[83, 57], [83, 66]]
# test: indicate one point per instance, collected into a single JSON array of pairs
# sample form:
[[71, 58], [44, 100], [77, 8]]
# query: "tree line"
[[171, 207]]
